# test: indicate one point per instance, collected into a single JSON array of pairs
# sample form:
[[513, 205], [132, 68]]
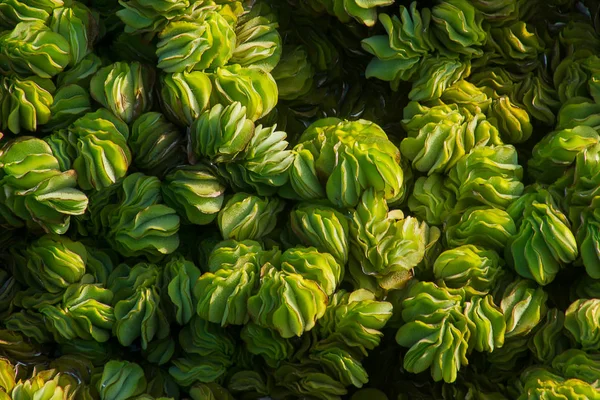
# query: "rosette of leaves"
[[591, 65], [548, 339], [156, 143], [30, 324], [496, 81], [102, 155], [314, 265], [481, 226], [263, 165], [61, 149], [124, 88], [208, 353], [266, 343], [582, 322], [46, 384], [121, 380], [515, 43], [294, 73], [497, 12], [70, 102], [296, 306], [585, 180], [435, 331], [524, 306], [365, 12], [143, 225], [205, 338], [210, 390], [557, 151], [221, 133], [571, 78], [54, 262], [194, 368], [577, 364], [336, 159], [195, 45], [150, 16], [137, 305], [437, 147], [80, 74], [504, 360], [179, 278], [588, 235], [258, 42], [229, 9], [578, 34], [540, 383], [539, 98], [468, 267], [14, 11], [25, 103], [36, 295], [417, 115], [512, 121], [488, 175], [398, 54], [100, 263], [185, 96], [467, 96], [386, 244], [457, 25], [159, 351], [195, 192], [486, 323], [297, 381], [248, 382], [578, 111], [15, 346], [249, 217], [234, 270], [544, 242], [254, 88], [343, 364], [133, 219], [78, 25], [431, 200], [7, 377], [34, 189], [33, 48], [446, 72], [354, 319], [323, 227], [85, 312]]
